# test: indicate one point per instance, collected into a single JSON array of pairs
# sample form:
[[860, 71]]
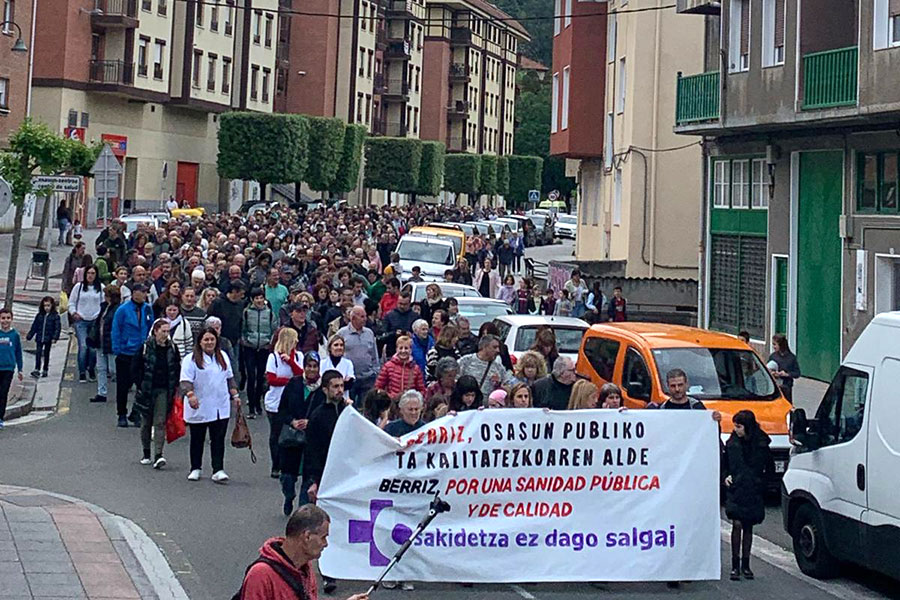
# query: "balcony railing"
[[459, 71], [397, 49], [378, 83], [115, 13], [697, 98], [397, 87], [401, 6], [830, 78], [460, 35], [458, 108], [115, 72], [457, 144]]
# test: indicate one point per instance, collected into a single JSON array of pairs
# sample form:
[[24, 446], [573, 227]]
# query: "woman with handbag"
[[302, 395], [207, 383], [84, 308], [157, 390], [283, 363]]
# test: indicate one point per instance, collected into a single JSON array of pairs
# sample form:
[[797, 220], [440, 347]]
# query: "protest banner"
[[592, 495]]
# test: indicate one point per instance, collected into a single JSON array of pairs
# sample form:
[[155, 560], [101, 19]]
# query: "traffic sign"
[[534, 195], [5, 196], [106, 173], [106, 162], [57, 183]]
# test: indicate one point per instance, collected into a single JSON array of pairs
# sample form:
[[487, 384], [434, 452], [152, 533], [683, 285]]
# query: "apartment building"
[[150, 77], [471, 56], [612, 117], [14, 69]]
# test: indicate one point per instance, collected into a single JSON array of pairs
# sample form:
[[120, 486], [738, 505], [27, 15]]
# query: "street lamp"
[[19, 45]]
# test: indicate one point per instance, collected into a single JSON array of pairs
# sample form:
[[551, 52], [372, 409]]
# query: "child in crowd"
[[524, 303], [548, 303], [564, 306], [45, 330], [10, 357], [77, 230]]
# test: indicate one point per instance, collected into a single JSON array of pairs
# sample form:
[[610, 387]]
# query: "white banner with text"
[[592, 495]]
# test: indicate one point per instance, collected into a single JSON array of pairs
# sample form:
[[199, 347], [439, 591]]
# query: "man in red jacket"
[[283, 570]]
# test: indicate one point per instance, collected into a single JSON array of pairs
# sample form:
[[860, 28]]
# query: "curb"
[[24, 403]]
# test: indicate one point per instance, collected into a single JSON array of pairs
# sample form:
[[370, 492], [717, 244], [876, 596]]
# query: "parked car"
[[466, 228], [448, 290], [432, 255], [525, 227], [519, 331], [250, 208], [131, 221], [188, 211], [481, 310], [566, 226], [723, 372], [839, 495], [543, 222], [457, 236]]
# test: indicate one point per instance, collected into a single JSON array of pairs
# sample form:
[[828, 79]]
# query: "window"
[[363, 21], [369, 109], [359, 104], [369, 56], [73, 118], [877, 182], [266, 78], [226, 75], [257, 26], [143, 55], [760, 192], [620, 99], [557, 22], [198, 58], [269, 23], [254, 82], [840, 416], [4, 93], [162, 7], [415, 118], [739, 36], [362, 62], [214, 17], [617, 198], [887, 23], [200, 7], [635, 376], [554, 104], [159, 52], [773, 33], [568, 17], [737, 282], [212, 67], [718, 373], [740, 176], [146, 5], [721, 184], [602, 354], [229, 11], [565, 99], [608, 143]]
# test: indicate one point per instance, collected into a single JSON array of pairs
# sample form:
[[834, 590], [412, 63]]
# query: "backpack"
[[279, 569]]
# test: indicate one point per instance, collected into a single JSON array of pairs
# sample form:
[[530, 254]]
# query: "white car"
[[132, 220], [448, 290], [519, 331], [481, 310], [432, 255], [566, 226]]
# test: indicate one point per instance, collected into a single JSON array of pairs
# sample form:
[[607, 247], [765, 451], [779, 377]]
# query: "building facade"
[[801, 217], [150, 77], [637, 211], [14, 69]]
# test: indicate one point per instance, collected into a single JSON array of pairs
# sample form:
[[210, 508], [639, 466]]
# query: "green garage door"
[[819, 264]]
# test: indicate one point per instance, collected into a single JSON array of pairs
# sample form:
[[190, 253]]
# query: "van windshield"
[[718, 373], [415, 250]]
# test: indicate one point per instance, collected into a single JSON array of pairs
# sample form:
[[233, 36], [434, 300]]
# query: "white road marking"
[[522, 592], [783, 559]]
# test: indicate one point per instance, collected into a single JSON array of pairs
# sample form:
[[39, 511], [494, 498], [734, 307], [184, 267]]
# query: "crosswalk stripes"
[[24, 312]]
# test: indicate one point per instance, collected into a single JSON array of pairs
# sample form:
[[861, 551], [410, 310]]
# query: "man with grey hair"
[[215, 323], [468, 342], [553, 390], [360, 349], [485, 366], [410, 404], [284, 563]]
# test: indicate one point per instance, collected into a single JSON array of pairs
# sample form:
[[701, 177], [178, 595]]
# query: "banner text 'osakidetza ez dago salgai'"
[[592, 495]]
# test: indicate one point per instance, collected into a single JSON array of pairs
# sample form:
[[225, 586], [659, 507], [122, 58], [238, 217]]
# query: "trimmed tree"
[[268, 148], [488, 179], [393, 164], [347, 177], [325, 144], [462, 174], [431, 169], [524, 175], [503, 175]]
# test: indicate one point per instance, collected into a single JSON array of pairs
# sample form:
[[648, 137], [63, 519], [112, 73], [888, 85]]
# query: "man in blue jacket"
[[130, 328]]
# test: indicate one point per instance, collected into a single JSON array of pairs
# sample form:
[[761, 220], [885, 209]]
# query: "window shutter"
[[745, 27], [895, 8], [779, 22]]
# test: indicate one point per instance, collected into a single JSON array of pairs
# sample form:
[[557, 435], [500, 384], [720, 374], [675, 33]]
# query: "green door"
[[819, 264], [781, 294]]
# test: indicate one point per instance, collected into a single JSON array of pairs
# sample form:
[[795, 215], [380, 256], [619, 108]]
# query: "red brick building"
[[14, 84]]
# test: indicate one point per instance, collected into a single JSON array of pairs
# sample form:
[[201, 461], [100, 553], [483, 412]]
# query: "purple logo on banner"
[[363, 532]]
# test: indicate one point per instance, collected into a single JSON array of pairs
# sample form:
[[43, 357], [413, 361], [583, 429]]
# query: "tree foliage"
[[540, 48], [488, 179], [347, 177], [431, 169], [393, 164], [524, 175], [462, 173], [325, 143], [82, 157], [503, 175], [268, 148]]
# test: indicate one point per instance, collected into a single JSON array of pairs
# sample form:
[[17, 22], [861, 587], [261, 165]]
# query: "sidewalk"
[[53, 546]]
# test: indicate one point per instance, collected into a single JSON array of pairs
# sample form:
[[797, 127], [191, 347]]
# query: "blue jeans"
[[87, 357], [106, 366], [578, 310], [63, 225]]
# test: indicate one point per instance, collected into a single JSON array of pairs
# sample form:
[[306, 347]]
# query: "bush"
[[524, 175], [503, 175], [431, 170], [462, 173], [325, 144], [488, 183], [268, 148], [393, 164], [347, 176]]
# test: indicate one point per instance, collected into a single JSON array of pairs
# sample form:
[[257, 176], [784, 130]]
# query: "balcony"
[[396, 129], [111, 73], [381, 36], [460, 36], [457, 143], [458, 110], [459, 72], [378, 85], [699, 7], [697, 98], [399, 8], [115, 14], [397, 90], [830, 78], [397, 50]]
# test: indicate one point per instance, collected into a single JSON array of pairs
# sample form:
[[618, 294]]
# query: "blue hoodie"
[[10, 350], [420, 350], [128, 332]]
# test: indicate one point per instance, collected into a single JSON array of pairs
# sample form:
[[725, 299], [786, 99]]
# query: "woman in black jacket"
[[106, 360], [747, 460], [162, 368], [466, 395]]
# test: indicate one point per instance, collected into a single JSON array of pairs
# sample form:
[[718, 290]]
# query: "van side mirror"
[[801, 434]]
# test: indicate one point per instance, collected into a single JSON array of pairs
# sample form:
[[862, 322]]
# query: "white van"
[[431, 254], [840, 494]]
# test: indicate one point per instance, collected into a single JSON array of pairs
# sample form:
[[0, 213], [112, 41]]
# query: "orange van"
[[723, 372]]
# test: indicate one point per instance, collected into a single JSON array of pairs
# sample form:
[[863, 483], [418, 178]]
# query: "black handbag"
[[290, 437]]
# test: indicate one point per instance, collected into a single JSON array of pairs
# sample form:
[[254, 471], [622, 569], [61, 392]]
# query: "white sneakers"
[[159, 463], [407, 586], [146, 461], [195, 475], [404, 585], [220, 477]]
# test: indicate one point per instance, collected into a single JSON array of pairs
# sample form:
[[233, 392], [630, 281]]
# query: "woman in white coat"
[[207, 383]]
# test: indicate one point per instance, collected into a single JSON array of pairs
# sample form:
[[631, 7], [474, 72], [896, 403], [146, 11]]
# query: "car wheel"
[[810, 549]]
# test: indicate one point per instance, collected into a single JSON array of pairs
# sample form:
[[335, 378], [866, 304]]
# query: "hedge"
[[393, 164], [431, 170], [268, 148], [325, 143], [488, 183], [347, 177], [503, 175], [524, 175], [462, 173]]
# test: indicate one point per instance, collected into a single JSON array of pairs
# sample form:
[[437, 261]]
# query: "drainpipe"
[[31, 58], [701, 264], [655, 143]]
